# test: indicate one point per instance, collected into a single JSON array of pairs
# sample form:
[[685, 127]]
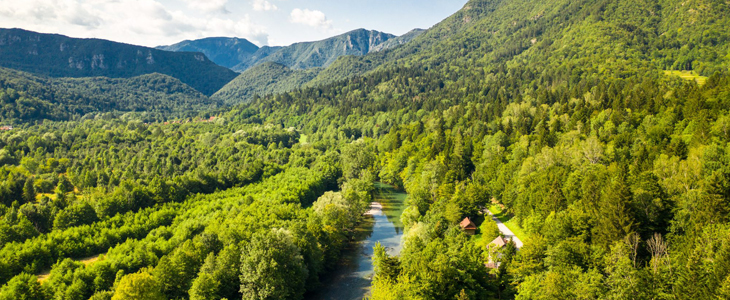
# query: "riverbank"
[[353, 276]]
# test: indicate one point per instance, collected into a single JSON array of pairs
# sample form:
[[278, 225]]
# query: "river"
[[351, 280]]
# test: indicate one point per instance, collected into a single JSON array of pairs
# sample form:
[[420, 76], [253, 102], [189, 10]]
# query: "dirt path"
[[508, 234]]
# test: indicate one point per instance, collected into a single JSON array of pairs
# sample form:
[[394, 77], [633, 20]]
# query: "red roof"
[[467, 224]]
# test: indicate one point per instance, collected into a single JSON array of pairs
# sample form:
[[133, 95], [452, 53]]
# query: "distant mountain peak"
[[224, 51]]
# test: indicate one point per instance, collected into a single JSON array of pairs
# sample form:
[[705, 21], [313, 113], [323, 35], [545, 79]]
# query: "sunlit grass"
[[509, 221], [43, 276], [479, 237], [688, 75]]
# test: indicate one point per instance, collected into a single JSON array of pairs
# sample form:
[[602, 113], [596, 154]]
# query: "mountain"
[[323, 53], [256, 57], [25, 97], [399, 40], [290, 62], [240, 54], [263, 79], [226, 52], [60, 56]]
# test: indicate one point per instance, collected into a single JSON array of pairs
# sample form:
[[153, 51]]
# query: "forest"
[[600, 128]]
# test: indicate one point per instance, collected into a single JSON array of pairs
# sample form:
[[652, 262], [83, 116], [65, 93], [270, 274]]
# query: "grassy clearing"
[[479, 237], [43, 276], [688, 75], [509, 221], [40, 196]]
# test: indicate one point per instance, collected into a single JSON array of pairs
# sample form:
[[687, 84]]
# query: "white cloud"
[[263, 5], [312, 18], [209, 6], [142, 22], [71, 12]]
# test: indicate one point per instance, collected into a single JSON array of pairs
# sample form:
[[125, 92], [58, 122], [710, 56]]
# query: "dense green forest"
[[28, 98], [263, 79], [602, 128]]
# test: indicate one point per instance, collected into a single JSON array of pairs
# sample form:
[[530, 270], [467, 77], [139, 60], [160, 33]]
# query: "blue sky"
[[264, 22]]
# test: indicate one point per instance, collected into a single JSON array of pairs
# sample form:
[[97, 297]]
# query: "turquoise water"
[[354, 273]]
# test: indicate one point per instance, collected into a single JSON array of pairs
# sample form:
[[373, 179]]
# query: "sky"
[[263, 22]]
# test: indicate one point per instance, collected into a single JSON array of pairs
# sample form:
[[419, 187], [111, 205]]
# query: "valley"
[[521, 149]]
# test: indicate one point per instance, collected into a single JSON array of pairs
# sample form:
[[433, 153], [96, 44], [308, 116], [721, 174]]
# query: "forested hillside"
[[264, 79], [28, 98], [601, 128], [60, 56], [397, 41]]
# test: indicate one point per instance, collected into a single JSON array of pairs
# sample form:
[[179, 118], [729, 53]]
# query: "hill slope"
[[255, 58], [25, 97], [60, 56], [399, 40], [226, 52], [263, 79]]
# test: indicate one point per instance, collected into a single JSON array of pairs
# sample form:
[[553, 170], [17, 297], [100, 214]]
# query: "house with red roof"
[[468, 226]]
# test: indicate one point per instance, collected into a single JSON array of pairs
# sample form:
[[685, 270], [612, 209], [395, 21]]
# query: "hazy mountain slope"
[[325, 52], [31, 97], [310, 56], [226, 52], [604, 37], [263, 79], [399, 40], [255, 58], [60, 56], [320, 53]]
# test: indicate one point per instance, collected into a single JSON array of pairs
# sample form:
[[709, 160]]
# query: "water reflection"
[[354, 273]]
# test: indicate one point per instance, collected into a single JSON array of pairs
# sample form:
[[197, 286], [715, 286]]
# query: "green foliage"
[[263, 79], [140, 285], [28, 98], [272, 267], [23, 287]]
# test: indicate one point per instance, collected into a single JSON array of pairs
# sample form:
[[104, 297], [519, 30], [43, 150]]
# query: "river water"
[[351, 280]]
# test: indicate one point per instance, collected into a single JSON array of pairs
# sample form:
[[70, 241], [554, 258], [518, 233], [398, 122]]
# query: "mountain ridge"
[[57, 55], [224, 51], [307, 55], [240, 54]]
